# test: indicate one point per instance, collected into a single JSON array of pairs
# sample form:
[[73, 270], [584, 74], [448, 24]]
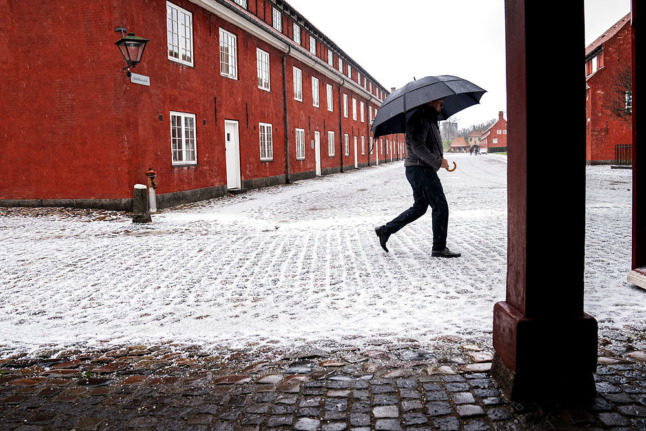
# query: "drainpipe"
[[289, 49], [341, 122], [368, 132]]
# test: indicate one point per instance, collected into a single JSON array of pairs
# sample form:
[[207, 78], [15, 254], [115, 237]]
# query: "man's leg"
[[414, 175], [434, 194]]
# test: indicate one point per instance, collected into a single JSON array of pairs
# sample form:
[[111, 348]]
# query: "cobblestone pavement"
[[277, 309], [385, 388]]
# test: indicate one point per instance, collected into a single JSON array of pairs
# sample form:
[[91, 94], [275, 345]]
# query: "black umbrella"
[[457, 93]]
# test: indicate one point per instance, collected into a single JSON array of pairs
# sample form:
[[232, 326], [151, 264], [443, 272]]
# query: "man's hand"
[[445, 164]]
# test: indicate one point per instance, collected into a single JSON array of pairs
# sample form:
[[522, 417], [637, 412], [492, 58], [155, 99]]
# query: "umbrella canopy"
[[457, 93]]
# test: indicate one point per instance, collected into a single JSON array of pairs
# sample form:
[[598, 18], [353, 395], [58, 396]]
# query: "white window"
[[277, 19], [266, 143], [369, 113], [298, 84], [359, 78], [349, 71], [262, 59], [300, 144], [312, 45], [495, 140], [330, 58], [330, 144], [228, 55], [362, 112], [345, 105], [370, 86], [346, 142], [330, 98], [242, 3], [354, 109], [297, 33], [182, 138], [315, 91], [179, 34], [340, 65], [363, 145]]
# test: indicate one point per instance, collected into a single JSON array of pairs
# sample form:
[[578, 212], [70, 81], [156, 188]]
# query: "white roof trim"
[[275, 41]]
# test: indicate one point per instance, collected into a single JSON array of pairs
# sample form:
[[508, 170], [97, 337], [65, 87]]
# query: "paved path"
[[386, 388], [276, 309]]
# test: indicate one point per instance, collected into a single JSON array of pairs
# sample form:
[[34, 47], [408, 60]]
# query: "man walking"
[[425, 157]]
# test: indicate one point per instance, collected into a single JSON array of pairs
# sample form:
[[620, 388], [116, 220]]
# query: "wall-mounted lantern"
[[131, 48]]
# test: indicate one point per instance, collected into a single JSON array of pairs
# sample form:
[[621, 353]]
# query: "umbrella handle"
[[453, 168]]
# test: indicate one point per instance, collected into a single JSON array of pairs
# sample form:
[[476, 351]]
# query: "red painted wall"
[[77, 128], [604, 128]]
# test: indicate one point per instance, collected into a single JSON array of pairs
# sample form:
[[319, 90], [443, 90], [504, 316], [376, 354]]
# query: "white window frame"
[[345, 105], [330, 98], [346, 144], [340, 65], [276, 19], [183, 144], [495, 140], [330, 58], [312, 44], [349, 71], [369, 112], [315, 92], [262, 66], [297, 33], [242, 3], [228, 57], [298, 84], [354, 109], [266, 142], [330, 143], [363, 145], [362, 111], [179, 34], [300, 144]]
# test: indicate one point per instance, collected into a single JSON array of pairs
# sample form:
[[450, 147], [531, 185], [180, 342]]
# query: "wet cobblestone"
[[153, 388]]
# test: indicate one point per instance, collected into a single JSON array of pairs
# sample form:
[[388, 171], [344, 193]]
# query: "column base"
[[638, 277], [544, 360]]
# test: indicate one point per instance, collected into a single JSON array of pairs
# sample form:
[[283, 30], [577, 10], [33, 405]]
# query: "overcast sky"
[[432, 37]]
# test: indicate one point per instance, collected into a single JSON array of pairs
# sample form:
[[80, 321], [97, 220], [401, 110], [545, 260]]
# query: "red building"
[[609, 94], [494, 139], [230, 94]]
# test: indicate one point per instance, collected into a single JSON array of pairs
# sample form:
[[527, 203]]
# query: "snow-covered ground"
[[293, 264]]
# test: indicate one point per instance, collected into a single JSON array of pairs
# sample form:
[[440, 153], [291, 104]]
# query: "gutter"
[[257, 28], [285, 112], [341, 124]]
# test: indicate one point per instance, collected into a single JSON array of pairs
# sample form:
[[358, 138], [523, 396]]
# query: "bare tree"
[[619, 100]]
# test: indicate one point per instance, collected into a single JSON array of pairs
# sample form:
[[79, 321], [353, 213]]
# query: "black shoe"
[[445, 252], [383, 237]]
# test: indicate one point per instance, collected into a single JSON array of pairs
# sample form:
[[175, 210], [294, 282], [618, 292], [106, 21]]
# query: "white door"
[[317, 152], [356, 157], [232, 146], [376, 152]]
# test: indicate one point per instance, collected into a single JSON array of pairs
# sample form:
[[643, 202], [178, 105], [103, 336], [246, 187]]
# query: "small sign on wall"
[[135, 78]]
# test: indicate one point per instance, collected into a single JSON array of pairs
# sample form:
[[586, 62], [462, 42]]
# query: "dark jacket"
[[423, 140]]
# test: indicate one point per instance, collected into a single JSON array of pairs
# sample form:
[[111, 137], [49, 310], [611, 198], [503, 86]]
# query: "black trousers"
[[427, 191]]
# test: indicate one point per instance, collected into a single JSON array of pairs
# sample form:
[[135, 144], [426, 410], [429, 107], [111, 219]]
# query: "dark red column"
[[546, 346], [639, 153]]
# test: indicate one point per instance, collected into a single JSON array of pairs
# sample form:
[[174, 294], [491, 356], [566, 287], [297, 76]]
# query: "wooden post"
[[638, 274], [546, 346]]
